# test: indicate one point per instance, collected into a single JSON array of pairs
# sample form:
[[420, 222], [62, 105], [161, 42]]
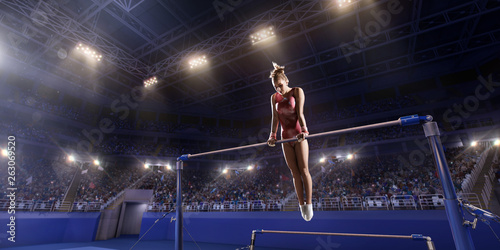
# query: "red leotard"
[[287, 115]]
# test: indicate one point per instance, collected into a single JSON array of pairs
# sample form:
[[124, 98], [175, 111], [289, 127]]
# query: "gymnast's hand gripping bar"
[[402, 121]]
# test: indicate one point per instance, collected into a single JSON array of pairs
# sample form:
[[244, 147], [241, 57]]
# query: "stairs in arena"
[[70, 196], [488, 164], [291, 203], [118, 199]]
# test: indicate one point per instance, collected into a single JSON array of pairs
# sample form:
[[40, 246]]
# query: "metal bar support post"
[[178, 212], [461, 233]]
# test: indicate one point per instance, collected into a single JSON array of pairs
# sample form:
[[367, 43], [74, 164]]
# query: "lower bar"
[[339, 234], [430, 244]]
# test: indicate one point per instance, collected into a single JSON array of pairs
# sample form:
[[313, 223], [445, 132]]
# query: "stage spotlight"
[[71, 158], [349, 156], [151, 81], [89, 52], [4, 152], [262, 35], [198, 62], [343, 3], [96, 162], [168, 167], [497, 142], [224, 171], [250, 167], [473, 143], [146, 165], [322, 160]]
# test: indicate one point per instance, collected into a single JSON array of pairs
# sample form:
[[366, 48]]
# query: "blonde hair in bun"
[[278, 71]]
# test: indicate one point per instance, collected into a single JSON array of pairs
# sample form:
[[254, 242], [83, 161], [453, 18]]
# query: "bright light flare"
[[250, 167], [224, 171], [89, 52], [322, 160], [96, 162], [146, 165], [71, 158], [262, 35], [343, 3], [169, 167], [350, 156], [198, 62], [4, 152], [497, 142], [151, 81], [473, 143]]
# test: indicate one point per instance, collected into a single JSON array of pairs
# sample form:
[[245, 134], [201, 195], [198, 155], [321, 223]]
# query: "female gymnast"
[[287, 106]]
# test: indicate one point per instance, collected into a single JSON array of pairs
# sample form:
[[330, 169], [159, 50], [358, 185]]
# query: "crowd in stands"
[[362, 109], [392, 175], [172, 127], [38, 179], [99, 184], [24, 131], [260, 183], [384, 175], [371, 176], [120, 145], [33, 100]]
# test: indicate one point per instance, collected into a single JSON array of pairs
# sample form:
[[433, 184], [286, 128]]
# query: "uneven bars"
[[403, 121], [430, 244]]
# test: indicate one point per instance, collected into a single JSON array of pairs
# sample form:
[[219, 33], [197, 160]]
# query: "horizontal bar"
[[404, 121], [336, 234]]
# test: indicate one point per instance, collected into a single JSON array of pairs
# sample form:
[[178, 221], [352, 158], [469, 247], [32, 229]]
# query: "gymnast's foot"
[[307, 211]]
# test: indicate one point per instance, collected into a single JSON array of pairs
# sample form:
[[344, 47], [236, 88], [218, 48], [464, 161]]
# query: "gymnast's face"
[[280, 85]]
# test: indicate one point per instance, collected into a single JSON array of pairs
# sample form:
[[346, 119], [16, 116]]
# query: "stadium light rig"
[[198, 62], [343, 3], [262, 35], [151, 81], [89, 52]]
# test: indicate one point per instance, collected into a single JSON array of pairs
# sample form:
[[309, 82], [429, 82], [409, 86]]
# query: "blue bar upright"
[[461, 233], [178, 216]]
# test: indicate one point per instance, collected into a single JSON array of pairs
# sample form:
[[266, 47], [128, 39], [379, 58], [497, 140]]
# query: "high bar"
[[402, 121]]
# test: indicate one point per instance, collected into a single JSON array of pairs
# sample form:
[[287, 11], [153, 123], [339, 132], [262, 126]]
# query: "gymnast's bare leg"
[[297, 157]]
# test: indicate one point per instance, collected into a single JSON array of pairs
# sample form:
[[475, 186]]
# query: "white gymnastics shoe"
[[309, 212], [303, 211]]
